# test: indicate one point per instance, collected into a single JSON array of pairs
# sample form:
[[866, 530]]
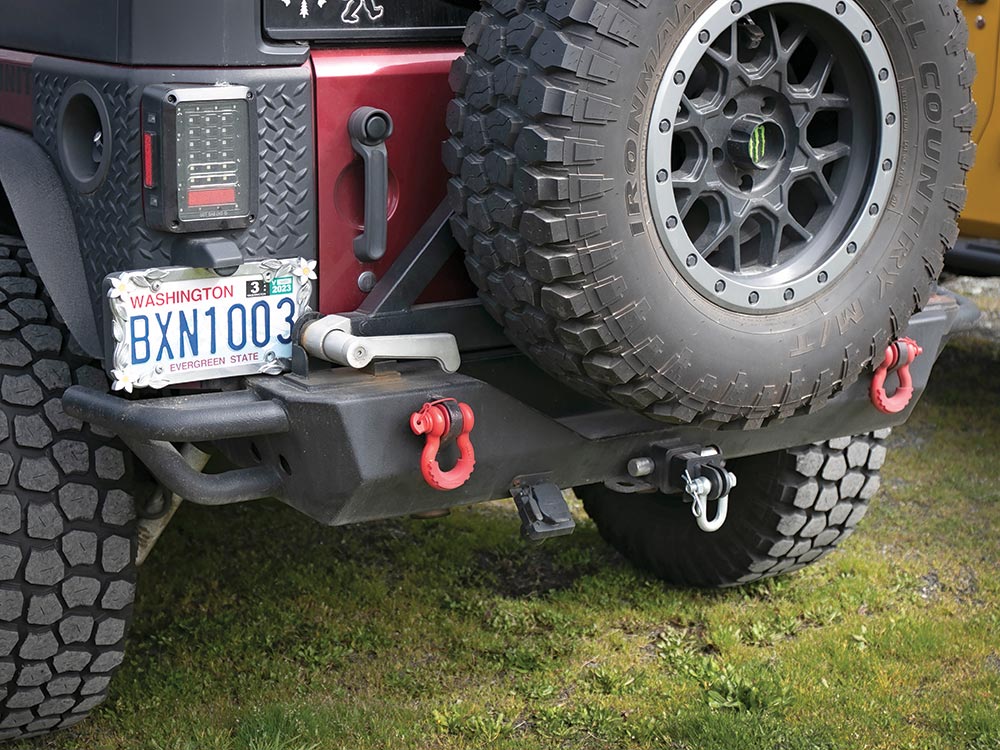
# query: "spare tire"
[[721, 214]]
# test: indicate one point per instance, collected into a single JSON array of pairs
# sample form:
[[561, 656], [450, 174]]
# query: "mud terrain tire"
[[67, 523], [790, 508], [551, 193]]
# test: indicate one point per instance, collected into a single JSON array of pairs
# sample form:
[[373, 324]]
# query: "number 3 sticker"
[[256, 288]]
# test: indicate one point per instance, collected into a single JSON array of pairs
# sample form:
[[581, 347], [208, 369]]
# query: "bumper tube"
[[235, 486], [336, 444], [187, 419]]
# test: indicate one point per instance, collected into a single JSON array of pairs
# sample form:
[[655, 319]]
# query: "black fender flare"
[[38, 200]]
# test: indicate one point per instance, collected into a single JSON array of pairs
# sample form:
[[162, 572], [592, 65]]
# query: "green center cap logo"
[[758, 144]]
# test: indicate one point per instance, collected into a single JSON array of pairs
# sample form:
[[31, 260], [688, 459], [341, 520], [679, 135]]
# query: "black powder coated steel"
[[339, 443], [109, 223], [177, 33]]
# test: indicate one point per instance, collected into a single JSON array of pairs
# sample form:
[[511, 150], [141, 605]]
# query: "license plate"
[[180, 325]]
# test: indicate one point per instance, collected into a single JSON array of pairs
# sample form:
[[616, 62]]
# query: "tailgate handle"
[[369, 129], [330, 338]]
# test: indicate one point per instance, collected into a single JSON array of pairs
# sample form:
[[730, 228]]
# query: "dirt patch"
[[931, 585], [993, 663], [967, 585], [962, 586], [531, 572]]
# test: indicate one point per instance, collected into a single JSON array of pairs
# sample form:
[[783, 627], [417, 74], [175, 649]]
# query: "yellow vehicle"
[[978, 250]]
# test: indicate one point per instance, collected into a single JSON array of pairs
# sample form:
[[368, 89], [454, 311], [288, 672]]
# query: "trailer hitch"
[[705, 488], [699, 473]]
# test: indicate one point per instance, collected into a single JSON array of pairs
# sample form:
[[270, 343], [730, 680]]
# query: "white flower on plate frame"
[[123, 379], [305, 269], [120, 286]]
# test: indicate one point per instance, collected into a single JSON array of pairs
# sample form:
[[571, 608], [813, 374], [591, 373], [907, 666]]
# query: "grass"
[[259, 630]]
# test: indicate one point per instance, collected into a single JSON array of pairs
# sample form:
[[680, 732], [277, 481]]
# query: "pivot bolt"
[[377, 127], [367, 281], [370, 126], [641, 467]]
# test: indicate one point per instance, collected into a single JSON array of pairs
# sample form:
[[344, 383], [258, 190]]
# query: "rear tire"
[[790, 508], [67, 521]]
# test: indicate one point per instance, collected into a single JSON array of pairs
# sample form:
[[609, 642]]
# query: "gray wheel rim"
[[772, 149]]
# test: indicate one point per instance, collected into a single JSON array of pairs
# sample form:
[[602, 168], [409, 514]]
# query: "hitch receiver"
[[696, 472]]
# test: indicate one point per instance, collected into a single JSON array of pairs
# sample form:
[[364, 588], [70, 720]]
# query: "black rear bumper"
[[978, 257], [337, 444]]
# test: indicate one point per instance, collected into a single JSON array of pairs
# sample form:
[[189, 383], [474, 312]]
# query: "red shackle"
[[435, 421], [899, 354]]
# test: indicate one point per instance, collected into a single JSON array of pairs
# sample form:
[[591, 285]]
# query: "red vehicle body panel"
[[15, 89], [412, 86]]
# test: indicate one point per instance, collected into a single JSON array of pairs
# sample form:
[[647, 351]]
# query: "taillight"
[[199, 157], [148, 168]]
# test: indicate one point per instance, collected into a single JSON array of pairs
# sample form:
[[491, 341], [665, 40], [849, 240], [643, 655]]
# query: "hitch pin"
[[699, 489]]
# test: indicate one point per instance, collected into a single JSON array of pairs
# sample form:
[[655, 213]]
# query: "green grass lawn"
[[257, 629]]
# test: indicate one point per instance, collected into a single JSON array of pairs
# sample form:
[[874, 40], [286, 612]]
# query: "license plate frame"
[[170, 300]]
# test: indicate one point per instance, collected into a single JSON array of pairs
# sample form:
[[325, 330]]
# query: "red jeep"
[[670, 257]]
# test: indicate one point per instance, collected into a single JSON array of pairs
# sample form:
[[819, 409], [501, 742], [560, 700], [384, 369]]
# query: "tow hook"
[[443, 421], [899, 355], [698, 473]]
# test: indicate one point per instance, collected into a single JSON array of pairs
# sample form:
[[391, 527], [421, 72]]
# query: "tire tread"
[[543, 65], [785, 513], [67, 575]]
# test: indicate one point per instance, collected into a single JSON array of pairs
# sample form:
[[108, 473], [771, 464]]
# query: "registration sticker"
[[180, 325]]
